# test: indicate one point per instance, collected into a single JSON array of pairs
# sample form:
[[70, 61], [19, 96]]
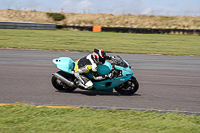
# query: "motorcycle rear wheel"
[[58, 85], [129, 87]]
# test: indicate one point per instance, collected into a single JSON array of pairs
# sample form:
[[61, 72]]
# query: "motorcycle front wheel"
[[58, 85], [129, 87]]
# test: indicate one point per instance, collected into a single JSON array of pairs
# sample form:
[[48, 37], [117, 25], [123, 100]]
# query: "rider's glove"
[[113, 57], [110, 75]]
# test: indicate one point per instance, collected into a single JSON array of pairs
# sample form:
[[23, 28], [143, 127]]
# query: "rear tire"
[[58, 85], [129, 87]]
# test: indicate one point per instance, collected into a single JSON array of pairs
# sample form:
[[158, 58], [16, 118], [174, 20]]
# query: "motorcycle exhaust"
[[63, 79]]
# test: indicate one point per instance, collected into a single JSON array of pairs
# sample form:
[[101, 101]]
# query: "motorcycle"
[[122, 81]]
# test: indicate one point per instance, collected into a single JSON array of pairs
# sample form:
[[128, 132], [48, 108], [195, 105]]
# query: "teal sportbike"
[[122, 81]]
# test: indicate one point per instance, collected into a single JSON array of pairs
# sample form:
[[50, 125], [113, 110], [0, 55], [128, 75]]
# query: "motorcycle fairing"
[[65, 64], [104, 69], [125, 71], [109, 84]]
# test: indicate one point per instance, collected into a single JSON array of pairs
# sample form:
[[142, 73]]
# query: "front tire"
[[129, 87], [58, 85]]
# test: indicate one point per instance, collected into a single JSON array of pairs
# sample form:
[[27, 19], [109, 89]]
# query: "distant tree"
[[56, 16]]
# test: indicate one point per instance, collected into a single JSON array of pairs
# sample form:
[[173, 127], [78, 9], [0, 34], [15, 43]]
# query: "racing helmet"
[[99, 56]]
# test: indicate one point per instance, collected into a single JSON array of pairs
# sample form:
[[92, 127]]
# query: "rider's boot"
[[87, 86]]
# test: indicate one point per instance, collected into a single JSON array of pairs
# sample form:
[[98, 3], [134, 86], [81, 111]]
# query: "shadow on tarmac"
[[96, 93]]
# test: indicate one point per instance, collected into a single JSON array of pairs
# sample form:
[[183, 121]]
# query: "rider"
[[89, 64]]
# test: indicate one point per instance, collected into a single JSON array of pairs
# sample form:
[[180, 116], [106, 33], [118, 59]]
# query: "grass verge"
[[110, 42], [25, 118]]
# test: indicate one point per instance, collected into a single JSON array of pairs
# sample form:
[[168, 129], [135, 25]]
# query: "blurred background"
[[157, 14], [142, 7]]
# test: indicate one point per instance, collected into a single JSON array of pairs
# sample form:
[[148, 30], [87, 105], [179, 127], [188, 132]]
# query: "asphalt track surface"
[[167, 83]]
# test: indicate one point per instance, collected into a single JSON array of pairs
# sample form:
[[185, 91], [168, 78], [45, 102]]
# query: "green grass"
[[110, 42], [23, 118]]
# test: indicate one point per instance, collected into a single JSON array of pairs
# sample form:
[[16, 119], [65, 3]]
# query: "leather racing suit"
[[85, 65]]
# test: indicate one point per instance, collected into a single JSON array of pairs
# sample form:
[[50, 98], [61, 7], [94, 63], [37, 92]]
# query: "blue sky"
[[155, 7]]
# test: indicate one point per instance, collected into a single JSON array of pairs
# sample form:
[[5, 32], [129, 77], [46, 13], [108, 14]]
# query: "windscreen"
[[119, 61]]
